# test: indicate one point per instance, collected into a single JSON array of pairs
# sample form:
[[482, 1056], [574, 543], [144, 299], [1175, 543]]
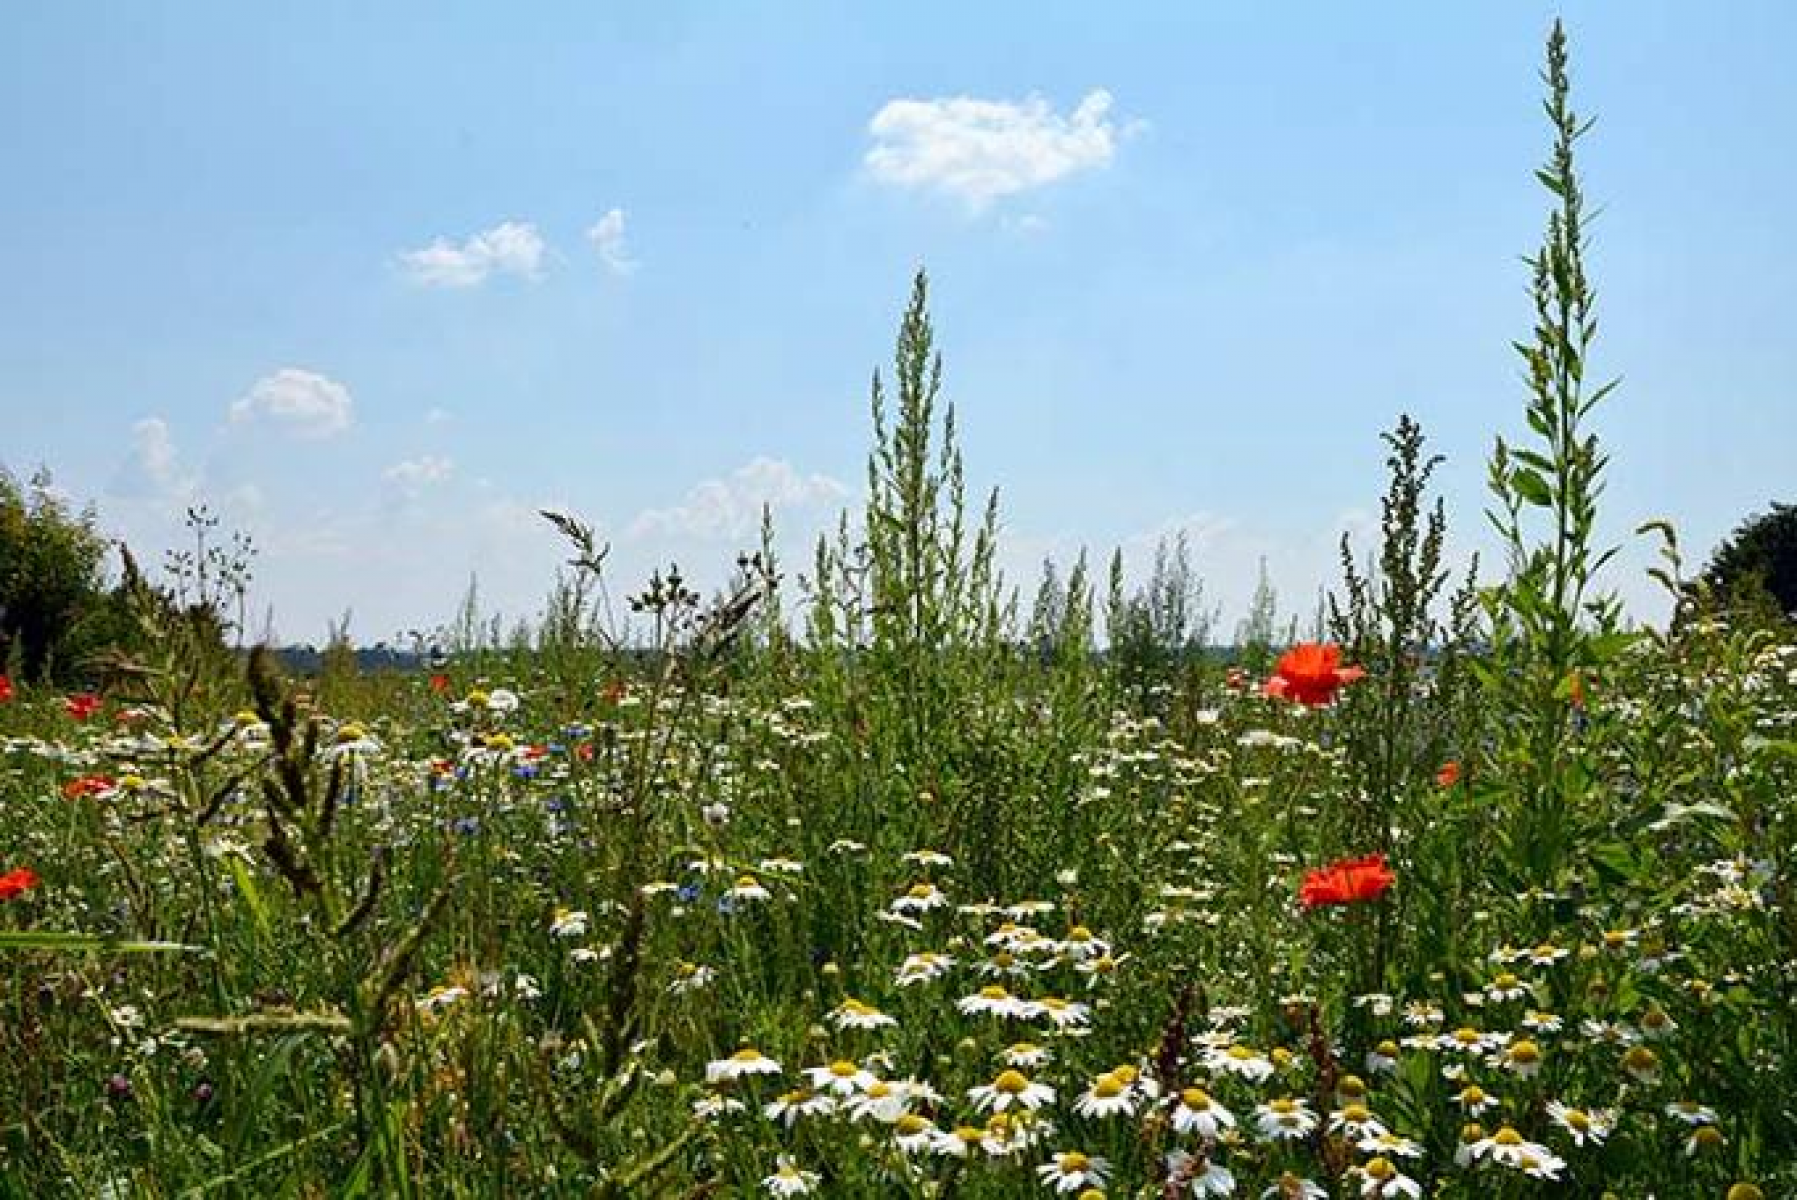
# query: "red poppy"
[[5, 689], [1346, 882], [1309, 673], [87, 785], [17, 881], [439, 683], [82, 705], [1449, 774]]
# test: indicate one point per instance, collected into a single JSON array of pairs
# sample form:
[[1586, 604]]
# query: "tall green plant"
[[1551, 626]]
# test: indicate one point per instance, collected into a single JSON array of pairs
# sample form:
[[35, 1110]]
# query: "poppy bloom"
[[88, 785], [5, 689], [439, 683], [82, 705], [17, 881], [1449, 774], [1309, 673], [1346, 882]]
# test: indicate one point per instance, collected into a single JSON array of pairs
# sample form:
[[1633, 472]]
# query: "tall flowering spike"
[[1349, 881], [1310, 673]]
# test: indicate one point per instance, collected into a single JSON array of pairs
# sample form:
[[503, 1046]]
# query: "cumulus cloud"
[[509, 248], [730, 508], [152, 470], [607, 237], [304, 403], [982, 150], [408, 479], [419, 472]]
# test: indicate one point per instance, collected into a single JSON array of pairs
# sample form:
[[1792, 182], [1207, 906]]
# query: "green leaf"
[[1531, 487], [252, 895]]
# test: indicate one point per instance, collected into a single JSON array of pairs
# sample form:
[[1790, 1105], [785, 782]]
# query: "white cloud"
[[730, 508], [607, 237], [154, 448], [419, 472], [982, 150], [509, 248], [153, 470], [306, 403]]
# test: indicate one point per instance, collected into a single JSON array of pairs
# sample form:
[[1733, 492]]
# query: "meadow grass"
[[874, 886]]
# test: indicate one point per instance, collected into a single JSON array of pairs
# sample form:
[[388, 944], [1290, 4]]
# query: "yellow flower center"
[[1011, 1083], [843, 1069], [1107, 1087], [1525, 1052], [1507, 1136], [1196, 1099], [747, 1055], [1379, 1168], [910, 1125], [1074, 1163], [993, 992], [1356, 1114], [1577, 1118]]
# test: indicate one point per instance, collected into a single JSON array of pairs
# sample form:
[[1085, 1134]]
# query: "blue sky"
[[378, 281]]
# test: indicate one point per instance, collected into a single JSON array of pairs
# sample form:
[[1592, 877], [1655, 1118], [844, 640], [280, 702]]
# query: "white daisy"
[[1071, 1171], [1195, 1112], [788, 1179], [1012, 1087], [1284, 1119], [747, 1061]]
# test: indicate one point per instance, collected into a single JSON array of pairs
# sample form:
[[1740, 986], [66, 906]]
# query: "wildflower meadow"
[[869, 877]]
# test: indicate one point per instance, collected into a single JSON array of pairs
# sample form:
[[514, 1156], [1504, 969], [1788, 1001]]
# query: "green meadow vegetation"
[[869, 877]]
